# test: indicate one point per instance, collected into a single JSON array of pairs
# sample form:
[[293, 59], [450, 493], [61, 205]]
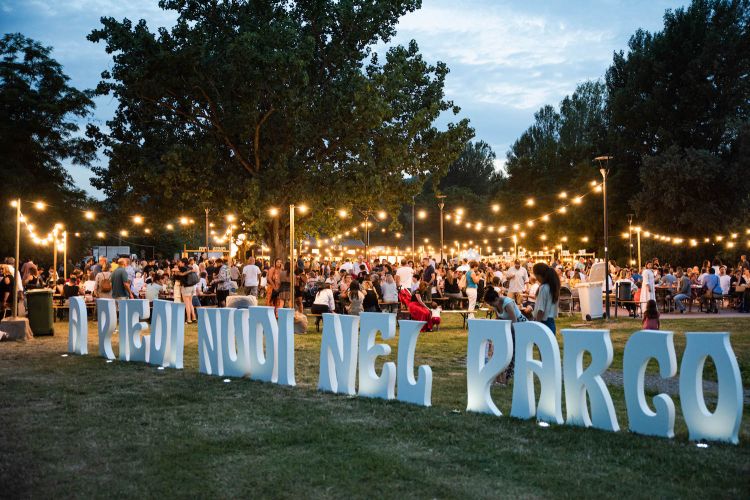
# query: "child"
[[651, 316]]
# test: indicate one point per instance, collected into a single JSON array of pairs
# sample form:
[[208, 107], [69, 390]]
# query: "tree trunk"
[[277, 237]]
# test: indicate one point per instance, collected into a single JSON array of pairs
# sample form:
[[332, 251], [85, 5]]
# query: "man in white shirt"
[[517, 278], [347, 266], [251, 276], [404, 275], [724, 280]]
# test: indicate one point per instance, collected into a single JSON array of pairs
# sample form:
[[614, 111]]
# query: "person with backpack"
[[103, 287]]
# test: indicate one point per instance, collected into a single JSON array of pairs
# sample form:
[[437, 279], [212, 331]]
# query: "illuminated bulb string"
[[730, 241]]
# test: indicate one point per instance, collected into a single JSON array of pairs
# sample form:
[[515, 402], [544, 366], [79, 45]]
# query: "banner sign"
[[253, 343]]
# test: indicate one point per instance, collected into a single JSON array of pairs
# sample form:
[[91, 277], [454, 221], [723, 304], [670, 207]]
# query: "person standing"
[[517, 278], [548, 295], [251, 278], [120, 281], [472, 282], [273, 282], [428, 276], [648, 290], [404, 275], [223, 283]]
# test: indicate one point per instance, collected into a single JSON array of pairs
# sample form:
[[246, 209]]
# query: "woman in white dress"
[[648, 292]]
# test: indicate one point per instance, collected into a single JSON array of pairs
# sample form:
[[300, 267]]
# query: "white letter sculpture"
[[263, 325], [418, 392], [285, 347], [528, 334], [479, 376], [370, 384], [215, 334], [78, 327], [338, 353], [579, 381], [167, 334], [133, 346], [106, 317], [724, 423], [640, 348]]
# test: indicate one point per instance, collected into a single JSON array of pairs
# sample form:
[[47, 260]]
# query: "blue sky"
[[507, 58]]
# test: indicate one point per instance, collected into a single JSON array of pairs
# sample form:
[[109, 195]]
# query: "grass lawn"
[[78, 426]]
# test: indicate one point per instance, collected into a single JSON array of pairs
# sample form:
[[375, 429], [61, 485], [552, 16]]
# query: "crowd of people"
[[514, 289]]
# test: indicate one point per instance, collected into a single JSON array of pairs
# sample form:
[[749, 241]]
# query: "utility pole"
[[206, 231], [413, 216], [441, 205], [604, 170], [630, 239], [17, 267]]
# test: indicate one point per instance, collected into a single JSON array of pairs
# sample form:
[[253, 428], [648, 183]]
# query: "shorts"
[[187, 291]]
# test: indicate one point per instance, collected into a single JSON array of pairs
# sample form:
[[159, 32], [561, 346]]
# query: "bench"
[[465, 313]]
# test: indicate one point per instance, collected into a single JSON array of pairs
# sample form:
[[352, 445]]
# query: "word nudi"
[[253, 343]]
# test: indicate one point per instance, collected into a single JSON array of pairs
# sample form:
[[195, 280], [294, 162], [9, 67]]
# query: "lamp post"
[[291, 254], [413, 206], [207, 231], [441, 205], [65, 254], [16, 270], [604, 170], [638, 238], [292, 263], [630, 239]]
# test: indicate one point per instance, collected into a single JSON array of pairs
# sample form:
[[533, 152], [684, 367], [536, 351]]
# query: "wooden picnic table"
[[465, 313]]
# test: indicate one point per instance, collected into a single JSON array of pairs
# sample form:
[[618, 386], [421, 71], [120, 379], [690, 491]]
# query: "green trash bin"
[[39, 305]]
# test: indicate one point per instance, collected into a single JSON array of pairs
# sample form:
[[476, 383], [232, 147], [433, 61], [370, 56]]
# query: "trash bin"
[[39, 304], [590, 296]]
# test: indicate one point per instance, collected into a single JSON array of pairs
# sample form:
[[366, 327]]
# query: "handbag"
[[191, 279]]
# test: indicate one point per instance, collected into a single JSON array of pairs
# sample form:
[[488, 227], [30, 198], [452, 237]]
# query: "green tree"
[[684, 86], [39, 114], [245, 105]]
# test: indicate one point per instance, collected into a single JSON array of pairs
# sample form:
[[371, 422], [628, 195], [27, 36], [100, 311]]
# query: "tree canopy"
[[674, 113], [39, 128], [248, 104]]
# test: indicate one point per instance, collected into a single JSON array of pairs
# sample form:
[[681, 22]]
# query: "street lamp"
[[292, 263], [630, 239], [604, 170], [441, 205]]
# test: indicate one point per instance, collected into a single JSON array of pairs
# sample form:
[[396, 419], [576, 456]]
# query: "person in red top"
[[651, 316]]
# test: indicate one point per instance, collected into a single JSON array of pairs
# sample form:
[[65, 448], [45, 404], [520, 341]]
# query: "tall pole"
[[17, 267], [367, 236], [291, 255], [638, 236], [630, 239], [65, 254], [604, 170], [207, 233], [413, 202], [54, 252], [441, 205]]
